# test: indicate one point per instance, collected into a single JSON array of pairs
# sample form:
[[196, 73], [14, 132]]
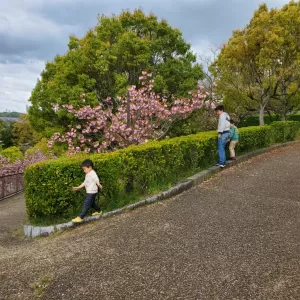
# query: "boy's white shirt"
[[90, 182]]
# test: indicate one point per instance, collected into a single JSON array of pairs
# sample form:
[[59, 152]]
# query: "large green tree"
[[106, 60], [259, 67], [22, 133], [6, 138]]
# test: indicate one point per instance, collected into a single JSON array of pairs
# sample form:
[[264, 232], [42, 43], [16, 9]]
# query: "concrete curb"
[[35, 231]]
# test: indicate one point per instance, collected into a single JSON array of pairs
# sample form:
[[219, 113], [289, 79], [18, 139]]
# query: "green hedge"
[[132, 173], [254, 120]]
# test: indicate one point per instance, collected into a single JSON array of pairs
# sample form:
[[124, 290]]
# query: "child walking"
[[234, 139], [91, 184]]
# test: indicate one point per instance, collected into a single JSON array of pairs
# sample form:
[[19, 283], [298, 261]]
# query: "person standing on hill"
[[233, 138], [223, 134]]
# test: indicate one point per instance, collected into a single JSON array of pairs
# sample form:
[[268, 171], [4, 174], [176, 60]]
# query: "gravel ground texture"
[[12, 218], [235, 236]]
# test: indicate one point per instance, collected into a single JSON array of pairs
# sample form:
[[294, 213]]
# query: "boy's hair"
[[220, 107], [87, 163], [232, 122]]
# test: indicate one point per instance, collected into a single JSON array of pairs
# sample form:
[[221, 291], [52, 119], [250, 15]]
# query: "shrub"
[[133, 172], [12, 153], [254, 120], [42, 146], [284, 131]]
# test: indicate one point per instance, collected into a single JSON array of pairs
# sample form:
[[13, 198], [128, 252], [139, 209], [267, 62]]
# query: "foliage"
[[40, 286], [6, 138], [133, 172], [284, 131], [203, 119], [42, 146], [12, 166], [259, 67], [22, 133], [200, 120], [108, 59], [12, 153], [254, 120], [140, 116]]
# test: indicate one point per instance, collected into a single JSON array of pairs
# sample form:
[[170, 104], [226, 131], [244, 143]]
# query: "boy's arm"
[[99, 185], [96, 179], [75, 188]]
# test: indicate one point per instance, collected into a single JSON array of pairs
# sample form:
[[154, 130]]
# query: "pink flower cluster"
[[17, 167], [141, 116]]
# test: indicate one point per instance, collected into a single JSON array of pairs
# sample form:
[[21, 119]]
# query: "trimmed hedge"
[[131, 173], [254, 120]]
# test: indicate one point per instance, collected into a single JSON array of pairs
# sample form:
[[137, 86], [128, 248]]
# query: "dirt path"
[[12, 218], [235, 236]]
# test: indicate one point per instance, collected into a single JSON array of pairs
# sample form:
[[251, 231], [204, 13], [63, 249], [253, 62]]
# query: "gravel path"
[[12, 218], [235, 236]]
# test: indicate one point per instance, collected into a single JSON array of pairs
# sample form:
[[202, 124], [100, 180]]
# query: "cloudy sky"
[[34, 31]]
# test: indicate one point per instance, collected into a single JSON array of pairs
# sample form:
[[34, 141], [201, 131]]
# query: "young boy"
[[234, 139], [91, 184]]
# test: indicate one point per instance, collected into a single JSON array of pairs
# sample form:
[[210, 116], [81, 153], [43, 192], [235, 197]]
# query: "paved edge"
[[11, 195], [35, 231]]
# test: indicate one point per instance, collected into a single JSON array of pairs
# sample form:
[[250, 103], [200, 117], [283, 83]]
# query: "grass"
[[18, 233], [40, 286]]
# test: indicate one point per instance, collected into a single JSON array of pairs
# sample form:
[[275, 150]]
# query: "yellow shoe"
[[97, 213], [77, 220]]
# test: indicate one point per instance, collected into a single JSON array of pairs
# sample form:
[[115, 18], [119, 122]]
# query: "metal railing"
[[11, 184]]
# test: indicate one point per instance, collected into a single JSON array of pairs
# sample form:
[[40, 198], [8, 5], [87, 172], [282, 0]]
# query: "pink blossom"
[[212, 105], [17, 167]]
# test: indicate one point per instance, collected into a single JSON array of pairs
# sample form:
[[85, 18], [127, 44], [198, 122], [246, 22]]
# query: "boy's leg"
[[220, 150], [221, 145], [86, 205], [231, 148], [94, 205]]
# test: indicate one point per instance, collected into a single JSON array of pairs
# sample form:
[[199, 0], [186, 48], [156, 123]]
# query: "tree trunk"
[[261, 115], [284, 102], [284, 108]]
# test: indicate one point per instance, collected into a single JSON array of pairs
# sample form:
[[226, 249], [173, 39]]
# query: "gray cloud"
[[33, 31], [211, 20], [16, 82]]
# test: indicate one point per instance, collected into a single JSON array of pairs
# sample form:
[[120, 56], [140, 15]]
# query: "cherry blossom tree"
[[139, 117]]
